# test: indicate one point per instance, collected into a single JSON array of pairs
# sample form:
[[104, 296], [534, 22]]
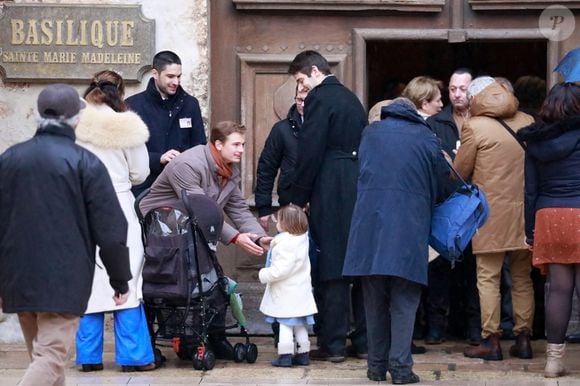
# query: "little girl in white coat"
[[288, 297]]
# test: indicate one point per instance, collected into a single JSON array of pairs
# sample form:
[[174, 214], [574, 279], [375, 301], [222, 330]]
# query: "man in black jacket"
[[57, 203], [465, 309], [171, 114], [279, 154]]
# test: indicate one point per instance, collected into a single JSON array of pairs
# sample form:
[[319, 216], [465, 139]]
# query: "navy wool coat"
[[402, 172], [174, 123]]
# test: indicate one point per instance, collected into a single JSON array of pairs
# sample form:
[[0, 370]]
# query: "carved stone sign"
[[40, 42]]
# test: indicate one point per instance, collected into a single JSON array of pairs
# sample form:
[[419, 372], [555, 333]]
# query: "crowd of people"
[[355, 196]]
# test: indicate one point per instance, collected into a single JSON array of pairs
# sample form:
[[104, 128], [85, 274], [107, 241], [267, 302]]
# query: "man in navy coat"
[[402, 173], [325, 176], [171, 114]]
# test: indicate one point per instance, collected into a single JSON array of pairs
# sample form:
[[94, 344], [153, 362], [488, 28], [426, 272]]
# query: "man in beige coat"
[[494, 160]]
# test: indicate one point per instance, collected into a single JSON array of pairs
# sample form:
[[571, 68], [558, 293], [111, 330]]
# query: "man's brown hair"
[[222, 130]]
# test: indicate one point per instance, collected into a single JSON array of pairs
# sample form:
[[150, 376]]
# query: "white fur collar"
[[102, 126]]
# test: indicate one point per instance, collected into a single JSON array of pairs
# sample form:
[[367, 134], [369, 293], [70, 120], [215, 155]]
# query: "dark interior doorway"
[[391, 62]]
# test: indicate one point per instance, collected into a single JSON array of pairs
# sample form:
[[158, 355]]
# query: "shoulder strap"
[[509, 129], [457, 174]]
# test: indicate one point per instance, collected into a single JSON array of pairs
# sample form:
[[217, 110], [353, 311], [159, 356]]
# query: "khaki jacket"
[[492, 158]]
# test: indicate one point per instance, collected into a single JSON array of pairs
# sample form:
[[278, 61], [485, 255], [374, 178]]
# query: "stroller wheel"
[[197, 362], [251, 352], [239, 352], [208, 360]]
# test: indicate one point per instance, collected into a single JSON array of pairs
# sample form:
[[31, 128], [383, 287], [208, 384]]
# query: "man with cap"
[[58, 204]]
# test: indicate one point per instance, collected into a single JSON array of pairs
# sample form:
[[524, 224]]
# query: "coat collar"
[[102, 126], [236, 172], [155, 95], [445, 115], [62, 130], [541, 131]]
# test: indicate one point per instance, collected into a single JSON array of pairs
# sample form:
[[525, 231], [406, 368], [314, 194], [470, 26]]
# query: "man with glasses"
[[279, 155]]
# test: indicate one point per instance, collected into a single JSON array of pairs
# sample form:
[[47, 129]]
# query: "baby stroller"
[[185, 291]]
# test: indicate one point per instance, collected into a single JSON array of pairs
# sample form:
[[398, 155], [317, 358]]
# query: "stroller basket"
[[184, 287]]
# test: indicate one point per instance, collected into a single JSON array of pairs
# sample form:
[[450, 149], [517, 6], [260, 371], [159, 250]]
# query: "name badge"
[[185, 123]]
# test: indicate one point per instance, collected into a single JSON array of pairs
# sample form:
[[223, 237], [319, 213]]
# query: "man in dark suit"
[[325, 176]]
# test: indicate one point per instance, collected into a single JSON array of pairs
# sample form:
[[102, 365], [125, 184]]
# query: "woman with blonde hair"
[[425, 93], [117, 137]]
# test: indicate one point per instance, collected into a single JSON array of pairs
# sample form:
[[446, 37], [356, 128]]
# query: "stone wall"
[[181, 27]]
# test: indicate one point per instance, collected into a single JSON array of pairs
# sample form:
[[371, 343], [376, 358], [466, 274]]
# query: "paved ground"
[[442, 365]]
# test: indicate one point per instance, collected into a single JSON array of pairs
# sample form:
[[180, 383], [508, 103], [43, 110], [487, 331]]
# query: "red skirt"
[[556, 237]]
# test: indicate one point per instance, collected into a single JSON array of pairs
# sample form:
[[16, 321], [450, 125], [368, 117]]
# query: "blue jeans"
[[132, 342]]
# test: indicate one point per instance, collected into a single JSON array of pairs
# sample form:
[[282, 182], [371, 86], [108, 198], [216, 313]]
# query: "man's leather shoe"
[[149, 367], [322, 355], [417, 349], [473, 336], [489, 349], [222, 348], [405, 379], [573, 338], [351, 351], [522, 349], [434, 336], [378, 377], [87, 368]]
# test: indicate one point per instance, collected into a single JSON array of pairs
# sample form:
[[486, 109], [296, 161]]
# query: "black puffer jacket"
[[279, 153], [552, 171], [57, 203], [444, 127]]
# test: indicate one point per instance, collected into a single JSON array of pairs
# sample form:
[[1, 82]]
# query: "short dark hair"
[[304, 61], [163, 59], [530, 91], [222, 130], [563, 101], [462, 70]]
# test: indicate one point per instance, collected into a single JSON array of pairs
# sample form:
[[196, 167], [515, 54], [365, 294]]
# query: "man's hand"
[[120, 299], [168, 156], [264, 220], [246, 242]]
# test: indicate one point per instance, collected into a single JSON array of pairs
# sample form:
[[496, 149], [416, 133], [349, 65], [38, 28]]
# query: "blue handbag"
[[455, 221]]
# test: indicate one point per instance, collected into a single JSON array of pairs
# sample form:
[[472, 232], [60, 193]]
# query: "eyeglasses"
[[299, 101]]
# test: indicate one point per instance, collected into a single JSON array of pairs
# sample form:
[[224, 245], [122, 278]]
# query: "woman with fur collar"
[[117, 136]]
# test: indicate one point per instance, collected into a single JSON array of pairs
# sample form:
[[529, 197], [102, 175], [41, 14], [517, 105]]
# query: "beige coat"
[[492, 158], [195, 171], [289, 290], [118, 139]]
